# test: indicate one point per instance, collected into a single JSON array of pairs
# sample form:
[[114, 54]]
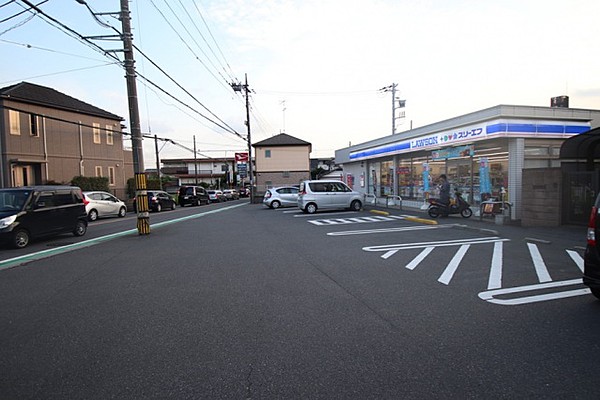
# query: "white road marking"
[[453, 265], [356, 220], [576, 258], [495, 281], [538, 263], [302, 214], [490, 294], [387, 230], [417, 260], [442, 243]]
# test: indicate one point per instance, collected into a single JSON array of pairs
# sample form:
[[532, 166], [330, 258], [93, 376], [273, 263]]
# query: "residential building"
[[212, 172], [281, 160], [48, 136]]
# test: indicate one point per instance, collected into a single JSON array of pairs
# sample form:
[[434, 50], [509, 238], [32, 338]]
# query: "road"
[[237, 301]]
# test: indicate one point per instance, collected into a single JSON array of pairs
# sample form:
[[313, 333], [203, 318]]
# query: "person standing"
[[445, 193]]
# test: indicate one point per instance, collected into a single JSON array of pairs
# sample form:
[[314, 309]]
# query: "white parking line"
[[538, 263], [495, 281], [417, 260], [490, 295], [448, 273], [387, 230], [576, 258]]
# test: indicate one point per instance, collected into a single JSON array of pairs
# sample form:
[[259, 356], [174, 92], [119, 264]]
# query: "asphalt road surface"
[[236, 301]]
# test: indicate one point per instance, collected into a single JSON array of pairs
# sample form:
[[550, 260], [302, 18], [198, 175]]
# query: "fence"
[[390, 201]]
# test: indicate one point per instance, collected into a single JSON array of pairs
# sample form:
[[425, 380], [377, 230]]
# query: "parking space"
[[498, 269]]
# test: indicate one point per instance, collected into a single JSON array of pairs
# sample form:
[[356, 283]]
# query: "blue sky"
[[315, 66]]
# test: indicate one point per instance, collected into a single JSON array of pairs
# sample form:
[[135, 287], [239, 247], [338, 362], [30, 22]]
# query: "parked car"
[[32, 212], [591, 258], [328, 194], [158, 200], [284, 196], [216, 196], [103, 204], [193, 195], [231, 194]]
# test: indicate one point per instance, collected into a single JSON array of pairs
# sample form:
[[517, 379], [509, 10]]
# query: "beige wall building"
[[281, 160], [47, 136]]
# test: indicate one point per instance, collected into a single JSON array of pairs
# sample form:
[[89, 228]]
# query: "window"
[[109, 135], [99, 171], [15, 123], [267, 153], [285, 174], [97, 138], [111, 176], [34, 126]]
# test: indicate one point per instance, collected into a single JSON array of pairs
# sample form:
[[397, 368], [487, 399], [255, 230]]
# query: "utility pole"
[[157, 162], [195, 163], [143, 216], [237, 87], [396, 104]]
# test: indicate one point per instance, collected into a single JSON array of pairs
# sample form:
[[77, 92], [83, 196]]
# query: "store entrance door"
[[459, 174]]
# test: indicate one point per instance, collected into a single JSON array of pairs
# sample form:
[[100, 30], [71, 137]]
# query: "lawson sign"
[[421, 143], [472, 133]]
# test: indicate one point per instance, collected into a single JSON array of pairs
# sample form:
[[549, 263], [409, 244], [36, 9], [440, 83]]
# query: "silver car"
[[285, 196], [328, 194], [103, 204]]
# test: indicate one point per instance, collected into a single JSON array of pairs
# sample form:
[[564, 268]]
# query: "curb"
[[380, 212], [421, 220]]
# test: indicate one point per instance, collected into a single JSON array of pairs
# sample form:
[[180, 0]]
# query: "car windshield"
[[11, 200]]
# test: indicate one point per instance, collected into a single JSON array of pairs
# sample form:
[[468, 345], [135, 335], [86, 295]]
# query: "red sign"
[[241, 157]]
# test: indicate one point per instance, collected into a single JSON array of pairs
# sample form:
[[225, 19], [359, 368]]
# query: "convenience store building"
[[483, 153]]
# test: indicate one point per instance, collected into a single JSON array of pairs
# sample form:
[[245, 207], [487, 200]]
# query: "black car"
[[193, 195], [158, 200], [32, 212], [591, 263]]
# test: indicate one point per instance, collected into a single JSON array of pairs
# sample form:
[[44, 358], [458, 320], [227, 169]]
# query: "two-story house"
[[47, 136], [281, 160]]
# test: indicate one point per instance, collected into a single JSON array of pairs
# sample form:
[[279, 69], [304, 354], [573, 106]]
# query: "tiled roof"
[[282, 140], [44, 96]]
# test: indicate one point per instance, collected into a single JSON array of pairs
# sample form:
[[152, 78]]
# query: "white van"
[[328, 194]]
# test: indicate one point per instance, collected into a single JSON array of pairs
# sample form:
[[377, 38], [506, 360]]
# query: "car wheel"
[[80, 228], [596, 292], [356, 205], [158, 208], [275, 204], [122, 212], [93, 215], [311, 208], [196, 203], [173, 206], [20, 239]]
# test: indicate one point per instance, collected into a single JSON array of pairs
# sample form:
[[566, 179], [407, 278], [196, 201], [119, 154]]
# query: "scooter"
[[460, 206]]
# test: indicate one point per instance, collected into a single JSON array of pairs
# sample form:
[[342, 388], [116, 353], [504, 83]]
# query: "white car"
[[328, 194], [103, 204], [284, 196]]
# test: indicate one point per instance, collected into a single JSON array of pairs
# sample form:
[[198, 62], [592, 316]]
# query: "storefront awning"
[[582, 147]]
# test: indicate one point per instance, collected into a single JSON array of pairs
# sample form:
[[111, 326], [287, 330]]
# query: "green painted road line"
[[16, 261]]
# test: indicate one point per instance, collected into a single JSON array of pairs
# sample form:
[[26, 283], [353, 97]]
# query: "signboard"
[[453, 152], [241, 157]]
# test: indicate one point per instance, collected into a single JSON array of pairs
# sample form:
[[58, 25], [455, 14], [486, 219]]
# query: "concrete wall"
[[541, 197]]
